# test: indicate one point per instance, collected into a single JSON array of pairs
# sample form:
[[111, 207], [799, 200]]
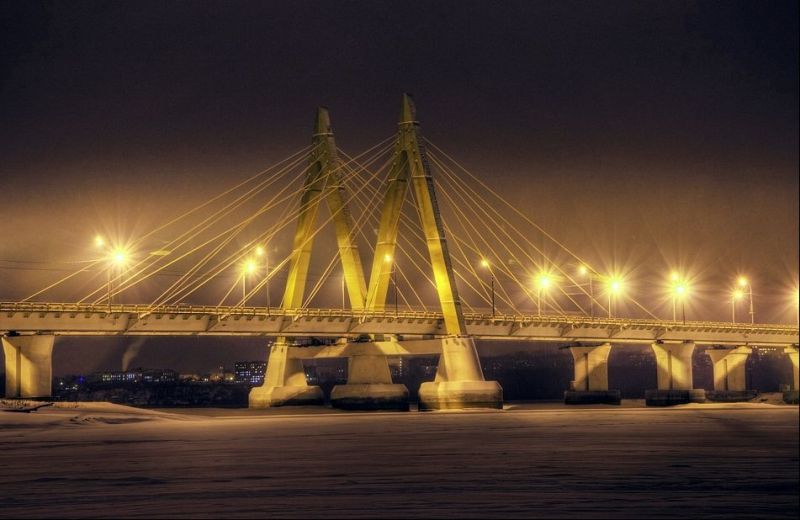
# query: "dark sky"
[[660, 133]]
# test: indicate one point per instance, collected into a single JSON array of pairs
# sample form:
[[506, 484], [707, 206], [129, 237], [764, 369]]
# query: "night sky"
[[659, 133]]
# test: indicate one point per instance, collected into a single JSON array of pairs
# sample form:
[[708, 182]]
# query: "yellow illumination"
[[260, 251], [674, 276], [742, 281], [680, 290], [485, 263], [738, 294], [544, 281], [99, 241], [119, 257], [387, 258], [250, 267], [615, 285], [583, 270]]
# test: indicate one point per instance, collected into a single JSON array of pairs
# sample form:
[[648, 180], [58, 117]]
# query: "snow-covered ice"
[[104, 460]]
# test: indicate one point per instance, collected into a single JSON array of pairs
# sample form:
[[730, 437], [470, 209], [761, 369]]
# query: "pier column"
[[369, 386], [29, 365], [285, 382], [590, 385], [459, 380], [792, 396], [729, 374], [674, 374]]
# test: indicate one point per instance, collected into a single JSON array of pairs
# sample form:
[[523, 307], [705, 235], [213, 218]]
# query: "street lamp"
[[117, 259], [743, 282], [674, 278], [543, 282], [262, 251], [737, 295], [249, 268], [486, 265], [387, 258], [584, 271], [613, 289], [679, 292]]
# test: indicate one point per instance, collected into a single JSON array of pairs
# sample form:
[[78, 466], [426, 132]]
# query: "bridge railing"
[[521, 319]]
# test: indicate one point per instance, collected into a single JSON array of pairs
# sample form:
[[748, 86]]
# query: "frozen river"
[[695, 461]]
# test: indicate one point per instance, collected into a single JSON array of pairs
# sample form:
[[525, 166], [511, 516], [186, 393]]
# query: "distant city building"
[[249, 372]]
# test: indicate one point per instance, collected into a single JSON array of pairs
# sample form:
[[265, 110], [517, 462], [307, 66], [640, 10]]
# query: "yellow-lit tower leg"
[[459, 380], [285, 381]]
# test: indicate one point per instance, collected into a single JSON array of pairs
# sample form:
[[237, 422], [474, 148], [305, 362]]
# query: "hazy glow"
[[250, 267], [119, 257], [742, 281], [674, 276], [615, 285], [738, 294], [485, 263], [680, 290], [543, 281], [387, 258], [260, 251], [99, 241], [583, 270]]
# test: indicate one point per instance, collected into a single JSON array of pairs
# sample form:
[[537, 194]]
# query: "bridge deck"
[[87, 320]]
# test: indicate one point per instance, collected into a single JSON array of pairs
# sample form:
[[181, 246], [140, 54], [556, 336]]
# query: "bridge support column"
[[285, 382], [459, 380], [730, 383], [674, 372], [29, 365], [369, 386], [793, 396], [590, 385]]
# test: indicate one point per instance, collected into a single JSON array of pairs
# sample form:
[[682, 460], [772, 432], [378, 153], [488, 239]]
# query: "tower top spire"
[[408, 114], [322, 126]]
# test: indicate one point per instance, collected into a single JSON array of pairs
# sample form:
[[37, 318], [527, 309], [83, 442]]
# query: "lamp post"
[[388, 259], [674, 278], [744, 282], [486, 265], [249, 268], [584, 271], [614, 288], [262, 251], [737, 295], [543, 282], [679, 293]]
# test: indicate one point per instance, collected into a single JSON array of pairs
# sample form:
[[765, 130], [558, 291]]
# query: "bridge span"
[[68, 319]]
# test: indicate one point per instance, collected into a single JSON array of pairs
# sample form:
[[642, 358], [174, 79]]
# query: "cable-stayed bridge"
[[451, 261]]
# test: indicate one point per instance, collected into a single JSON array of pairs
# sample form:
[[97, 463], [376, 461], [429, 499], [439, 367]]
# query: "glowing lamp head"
[[615, 286], [742, 281], [544, 281], [119, 257], [99, 241], [485, 263], [583, 270], [738, 294], [250, 267], [680, 290], [260, 251]]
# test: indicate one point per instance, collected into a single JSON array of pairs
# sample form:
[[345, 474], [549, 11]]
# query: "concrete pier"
[[730, 382], [793, 396], [590, 383], [29, 365], [459, 380], [285, 382], [674, 374], [369, 386]]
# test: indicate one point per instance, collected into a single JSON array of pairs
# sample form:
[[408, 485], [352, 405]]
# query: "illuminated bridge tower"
[[285, 381], [459, 380]]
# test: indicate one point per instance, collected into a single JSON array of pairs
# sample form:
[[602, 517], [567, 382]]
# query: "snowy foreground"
[[104, 460]]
